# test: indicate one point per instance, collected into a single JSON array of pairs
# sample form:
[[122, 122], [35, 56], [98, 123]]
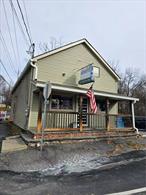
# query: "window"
[[62, 102], [101, 104]]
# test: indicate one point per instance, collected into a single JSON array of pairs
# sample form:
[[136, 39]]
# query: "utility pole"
[[31, 50]]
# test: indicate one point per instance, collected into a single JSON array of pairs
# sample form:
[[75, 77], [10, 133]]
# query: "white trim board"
[[84, 91]]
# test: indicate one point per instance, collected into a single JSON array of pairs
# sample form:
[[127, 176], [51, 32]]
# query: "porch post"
[[107, 115], [80, 114], [39, 120], [133, 116]]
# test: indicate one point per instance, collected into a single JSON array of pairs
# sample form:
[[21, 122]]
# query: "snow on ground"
[[69, 157]]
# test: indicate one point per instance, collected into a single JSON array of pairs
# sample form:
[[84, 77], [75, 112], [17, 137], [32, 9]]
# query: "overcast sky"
[[117, 29]]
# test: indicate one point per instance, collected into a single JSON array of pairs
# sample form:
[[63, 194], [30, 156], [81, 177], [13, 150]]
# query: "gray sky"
[[117, 29]]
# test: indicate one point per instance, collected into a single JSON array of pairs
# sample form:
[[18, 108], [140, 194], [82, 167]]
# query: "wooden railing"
[[58, 120], [120, 121], [96, 121], [62, 120]]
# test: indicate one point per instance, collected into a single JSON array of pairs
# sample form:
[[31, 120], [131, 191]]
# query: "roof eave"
[[21, 76], [84, 91]]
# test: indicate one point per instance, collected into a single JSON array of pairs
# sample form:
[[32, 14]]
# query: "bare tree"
[[140, 92], [130, 81], [133, 84], [53, 44], [44, 47], [5, 91], [115, 66]]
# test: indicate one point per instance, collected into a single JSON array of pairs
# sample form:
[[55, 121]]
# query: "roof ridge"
[[73, 42]]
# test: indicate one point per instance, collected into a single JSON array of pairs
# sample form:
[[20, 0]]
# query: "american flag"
[[90, 94]]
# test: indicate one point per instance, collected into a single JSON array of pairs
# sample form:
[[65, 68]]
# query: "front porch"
[[70, 126], [72, 119]]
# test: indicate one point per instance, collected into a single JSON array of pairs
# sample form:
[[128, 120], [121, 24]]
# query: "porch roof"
[[74, 89]]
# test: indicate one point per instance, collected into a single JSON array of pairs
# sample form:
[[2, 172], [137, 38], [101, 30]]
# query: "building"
[[68, 109]]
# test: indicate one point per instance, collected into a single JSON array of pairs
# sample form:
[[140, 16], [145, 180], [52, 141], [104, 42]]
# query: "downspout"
[[133, 116], [32, 63], [33, 77]]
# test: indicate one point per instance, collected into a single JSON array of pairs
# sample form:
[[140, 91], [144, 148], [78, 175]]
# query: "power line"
[[4, 80], [26, 17], [31, 45], [24, 22], [6, 70], [16, 41], [18, 21], [9, 31], [7, 51]]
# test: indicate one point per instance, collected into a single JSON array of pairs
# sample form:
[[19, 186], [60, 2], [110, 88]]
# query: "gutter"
[[84, 91], [21, 76], [32, 63], [28, 65]]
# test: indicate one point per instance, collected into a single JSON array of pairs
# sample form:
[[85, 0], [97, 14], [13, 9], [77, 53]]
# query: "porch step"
[[33, 132], [63, 136], [94, 135]]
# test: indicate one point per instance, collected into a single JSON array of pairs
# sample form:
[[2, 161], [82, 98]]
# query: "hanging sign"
[[88, 74]]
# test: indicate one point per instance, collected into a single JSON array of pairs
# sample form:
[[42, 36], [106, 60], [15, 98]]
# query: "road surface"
[[4, 129], [118, 179]]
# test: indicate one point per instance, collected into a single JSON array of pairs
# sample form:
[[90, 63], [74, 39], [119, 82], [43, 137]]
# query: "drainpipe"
[[33, 77], [32, 63], [133, 116]]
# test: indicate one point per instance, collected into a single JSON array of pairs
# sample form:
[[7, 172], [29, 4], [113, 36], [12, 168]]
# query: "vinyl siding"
[[34, 111], [34, 108], [69, 62], [113, 108], [20, 101]]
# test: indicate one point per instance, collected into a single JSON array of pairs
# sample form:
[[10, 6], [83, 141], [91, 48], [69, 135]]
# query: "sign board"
[[88, 74], [47, 90]]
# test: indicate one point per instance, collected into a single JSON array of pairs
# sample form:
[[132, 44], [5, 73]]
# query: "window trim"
[[63, 110]]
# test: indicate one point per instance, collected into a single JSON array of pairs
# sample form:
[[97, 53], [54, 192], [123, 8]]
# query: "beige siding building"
[[69, 107]]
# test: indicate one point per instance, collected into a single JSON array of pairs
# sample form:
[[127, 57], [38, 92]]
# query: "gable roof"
[[72, 44], [62, 48]]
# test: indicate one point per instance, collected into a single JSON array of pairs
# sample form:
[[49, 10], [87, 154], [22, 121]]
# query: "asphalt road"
[[4, 129], [121, 178]]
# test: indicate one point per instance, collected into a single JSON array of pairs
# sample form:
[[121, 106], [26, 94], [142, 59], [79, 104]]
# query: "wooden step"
[[63, 138], [33, 136], [94, 135]]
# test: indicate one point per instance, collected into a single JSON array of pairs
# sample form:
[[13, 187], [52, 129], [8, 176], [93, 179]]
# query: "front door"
[[84, 110]]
